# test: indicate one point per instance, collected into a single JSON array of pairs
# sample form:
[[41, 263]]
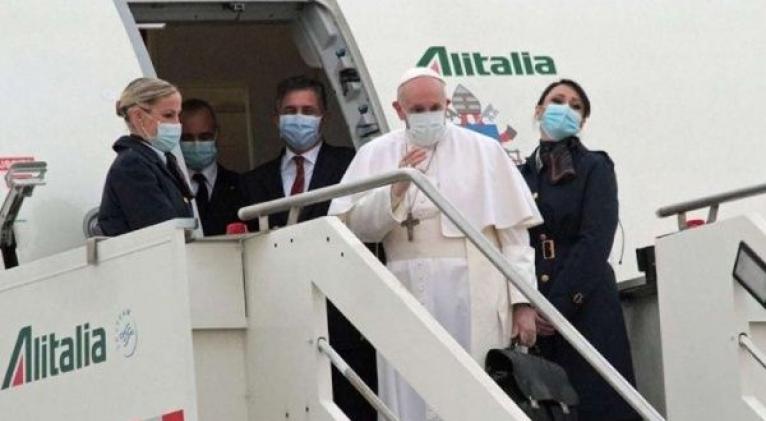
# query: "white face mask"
[[426, 129]]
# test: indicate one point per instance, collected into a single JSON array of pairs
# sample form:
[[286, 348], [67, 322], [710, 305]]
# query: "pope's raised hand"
[[411, 159]]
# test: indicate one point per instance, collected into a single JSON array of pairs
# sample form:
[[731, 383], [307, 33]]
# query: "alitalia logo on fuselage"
[[450, 63], [38, 357]]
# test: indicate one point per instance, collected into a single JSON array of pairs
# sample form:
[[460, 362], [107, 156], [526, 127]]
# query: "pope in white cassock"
[[425, 251]]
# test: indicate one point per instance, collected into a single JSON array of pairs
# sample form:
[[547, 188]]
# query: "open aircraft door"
[[63, 68]]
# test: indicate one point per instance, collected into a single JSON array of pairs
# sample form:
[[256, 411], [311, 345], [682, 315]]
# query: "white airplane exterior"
[[677, 92], [675, 88]]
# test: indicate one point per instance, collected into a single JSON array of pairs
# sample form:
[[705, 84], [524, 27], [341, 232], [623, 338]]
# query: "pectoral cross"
[[410, 223]]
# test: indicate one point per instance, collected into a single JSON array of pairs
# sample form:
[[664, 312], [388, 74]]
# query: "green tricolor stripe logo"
[[472, 63], [38, 357]]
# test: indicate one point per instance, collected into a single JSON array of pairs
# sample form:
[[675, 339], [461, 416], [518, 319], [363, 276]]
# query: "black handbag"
[[539, 387]]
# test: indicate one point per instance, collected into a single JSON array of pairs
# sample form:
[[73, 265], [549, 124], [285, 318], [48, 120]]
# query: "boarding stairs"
[[156, 324]]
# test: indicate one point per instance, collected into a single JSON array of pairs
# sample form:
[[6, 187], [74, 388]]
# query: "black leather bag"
[[539, 387]]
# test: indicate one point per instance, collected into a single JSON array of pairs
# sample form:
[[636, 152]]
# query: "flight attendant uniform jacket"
[[140, 190], [571, 251]]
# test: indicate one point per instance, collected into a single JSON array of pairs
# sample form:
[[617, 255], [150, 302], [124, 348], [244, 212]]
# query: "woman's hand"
[[544, 327], [523, 326]]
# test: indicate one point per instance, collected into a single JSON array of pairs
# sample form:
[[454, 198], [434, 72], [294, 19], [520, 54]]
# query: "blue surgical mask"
[[199, 154], [559, 121], [168, 136], [301, 132]]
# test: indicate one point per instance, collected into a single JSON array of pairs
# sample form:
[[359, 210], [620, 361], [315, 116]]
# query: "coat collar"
[[321, 167], [139, 146], [310, 155], [322, 158]]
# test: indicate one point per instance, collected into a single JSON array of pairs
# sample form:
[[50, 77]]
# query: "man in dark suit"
[[308, 163], [216, 189]]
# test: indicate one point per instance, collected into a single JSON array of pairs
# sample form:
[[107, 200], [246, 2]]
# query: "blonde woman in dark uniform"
[[145, 185]]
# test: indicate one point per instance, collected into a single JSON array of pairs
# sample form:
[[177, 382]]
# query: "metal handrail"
[[488, 249], [356, 381], [712, 201]]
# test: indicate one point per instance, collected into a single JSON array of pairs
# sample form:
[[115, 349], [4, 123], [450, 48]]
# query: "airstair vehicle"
[[162, 324], [152, 324]]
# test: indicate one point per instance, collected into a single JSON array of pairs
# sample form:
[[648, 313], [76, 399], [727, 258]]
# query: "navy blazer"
[[572, 248], [224, 202], [265, 183], [139, 191]]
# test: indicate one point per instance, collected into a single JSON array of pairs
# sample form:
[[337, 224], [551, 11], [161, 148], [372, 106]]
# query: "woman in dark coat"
[[145, 185], [576, 192]]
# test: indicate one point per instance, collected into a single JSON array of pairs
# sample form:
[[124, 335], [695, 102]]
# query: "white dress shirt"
[[210, 172], [289, 169]]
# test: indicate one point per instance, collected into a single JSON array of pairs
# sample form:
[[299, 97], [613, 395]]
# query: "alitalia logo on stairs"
[[473, 63], [38, 357]]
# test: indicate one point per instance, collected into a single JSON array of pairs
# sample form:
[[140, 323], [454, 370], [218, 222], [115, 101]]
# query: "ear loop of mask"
[[149, 113]]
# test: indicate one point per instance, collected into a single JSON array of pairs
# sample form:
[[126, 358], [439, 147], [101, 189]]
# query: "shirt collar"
[[210, 172], [161, 154], [310, 155]]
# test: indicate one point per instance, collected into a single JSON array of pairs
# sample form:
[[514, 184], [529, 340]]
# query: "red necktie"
[[299, 182]]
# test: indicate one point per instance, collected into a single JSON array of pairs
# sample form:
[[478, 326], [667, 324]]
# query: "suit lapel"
[[276, 184], [221, 184], [321, 177], [273, 186], [324, 164]]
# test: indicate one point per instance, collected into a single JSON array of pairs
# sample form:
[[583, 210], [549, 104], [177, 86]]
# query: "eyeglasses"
[[204, 137]]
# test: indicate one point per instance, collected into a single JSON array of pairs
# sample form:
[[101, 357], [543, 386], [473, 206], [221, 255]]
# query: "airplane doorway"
[[235, 61], [236, 67]]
